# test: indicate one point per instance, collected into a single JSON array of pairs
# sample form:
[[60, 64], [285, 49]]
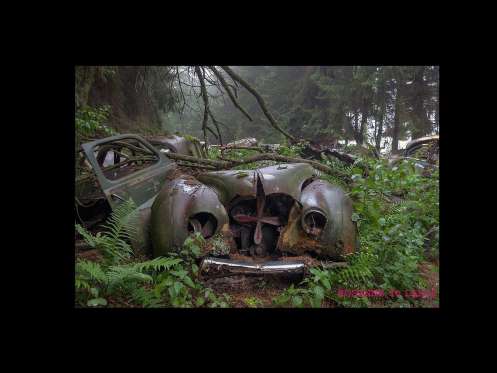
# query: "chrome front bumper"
[[220, 267]]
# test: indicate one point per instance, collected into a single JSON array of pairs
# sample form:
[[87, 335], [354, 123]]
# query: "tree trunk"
[[364, 125], [396, 124], [379, 132], [437, 110], [356, 130], [86, 74], [422, 124]]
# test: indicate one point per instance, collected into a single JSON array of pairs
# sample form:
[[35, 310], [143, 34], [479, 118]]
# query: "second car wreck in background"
[[424, 151]]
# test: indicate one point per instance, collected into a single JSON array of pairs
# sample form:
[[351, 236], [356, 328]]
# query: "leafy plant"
[[219, 246], [121, 227], [90, 121], [159, 282], [394, 233], [291, 297], [291, 150], [252, 302]]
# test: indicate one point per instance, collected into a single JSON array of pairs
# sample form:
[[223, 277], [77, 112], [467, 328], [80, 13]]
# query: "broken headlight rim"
[[314, 221], [204, 223]]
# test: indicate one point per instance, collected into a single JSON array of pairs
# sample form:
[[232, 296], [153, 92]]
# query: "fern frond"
[[121, 227], [81, 284], [157, 264], [115, 249], [87, 236], [90, 270], [122, 222], [120, 275], [147, 298], [359, 269]]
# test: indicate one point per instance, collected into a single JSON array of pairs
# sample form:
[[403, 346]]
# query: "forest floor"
[[259, 292], [245, 291]]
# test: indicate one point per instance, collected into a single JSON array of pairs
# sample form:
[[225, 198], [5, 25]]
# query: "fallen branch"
[[241, 147], [331, 265], [344, 157], [206, 167], [230, 163], [316, 151], [279, 158]]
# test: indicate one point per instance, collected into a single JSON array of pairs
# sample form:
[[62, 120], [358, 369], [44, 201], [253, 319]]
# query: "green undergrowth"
[[91, 122], [397, 214], [285, 150], [120, 280]]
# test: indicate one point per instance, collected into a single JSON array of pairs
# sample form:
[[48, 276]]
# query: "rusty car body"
[[422, 142], [267, 219], [424, 151], [177, 144]]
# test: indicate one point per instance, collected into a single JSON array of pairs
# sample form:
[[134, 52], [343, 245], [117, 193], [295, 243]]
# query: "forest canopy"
[[380, 106]]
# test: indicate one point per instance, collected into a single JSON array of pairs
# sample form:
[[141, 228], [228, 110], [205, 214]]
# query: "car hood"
[[284, 178]]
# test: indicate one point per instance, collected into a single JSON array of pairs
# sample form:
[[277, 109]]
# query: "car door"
[[127, 166]]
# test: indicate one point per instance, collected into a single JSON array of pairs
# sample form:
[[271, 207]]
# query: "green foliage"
[[90, 122], [192, 247], [321, 284], [294, 151], [219, 246], [335, 164], [160, 282], [213, 153], [394, 234], [121, 227], [253, 302], [394, 229], [157, 264], [174, 280], [140, 95], [291, 297]]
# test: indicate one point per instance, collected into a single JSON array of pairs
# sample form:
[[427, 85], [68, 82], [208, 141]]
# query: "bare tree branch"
[[206, 104], [181, 89], [228, 91], [260, 100], [217, 128], [212, 131]]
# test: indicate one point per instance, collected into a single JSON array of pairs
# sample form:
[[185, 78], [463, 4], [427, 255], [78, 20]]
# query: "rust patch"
[[294, 240], [308, 260], [226, 237], [175, 174]]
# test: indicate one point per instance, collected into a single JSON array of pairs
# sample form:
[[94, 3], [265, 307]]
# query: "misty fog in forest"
[[383, 106]]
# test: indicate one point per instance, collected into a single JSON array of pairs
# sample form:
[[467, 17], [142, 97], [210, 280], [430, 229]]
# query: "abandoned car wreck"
[[275, 219]]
